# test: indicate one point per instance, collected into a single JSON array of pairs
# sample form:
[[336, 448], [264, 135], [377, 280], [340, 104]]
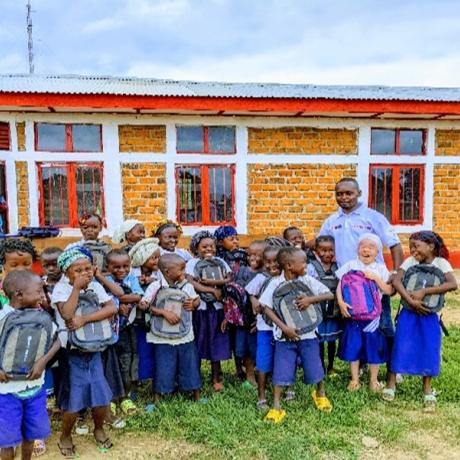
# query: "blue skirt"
[[112, 372], [417, 345], [146, 355], [330, 330]]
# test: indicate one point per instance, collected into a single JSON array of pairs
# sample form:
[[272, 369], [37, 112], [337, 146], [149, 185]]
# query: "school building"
[[258, 156]]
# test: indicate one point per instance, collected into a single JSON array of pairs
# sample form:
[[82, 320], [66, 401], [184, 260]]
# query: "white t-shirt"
[[180, 252], [266, 299], [150, 294], [17, 386], [190, 270], [253, 288], [61, 293], [438, 262]]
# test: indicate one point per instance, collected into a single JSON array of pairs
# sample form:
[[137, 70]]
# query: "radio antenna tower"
[[30, 41]]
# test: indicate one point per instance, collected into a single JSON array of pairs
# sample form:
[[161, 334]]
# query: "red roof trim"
[[113, 102]]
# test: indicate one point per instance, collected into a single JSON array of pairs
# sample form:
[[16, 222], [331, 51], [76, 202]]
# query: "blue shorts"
[[357, 345], [176, 363], [245, 344], [285, 362], [265, 351], [23, 419]]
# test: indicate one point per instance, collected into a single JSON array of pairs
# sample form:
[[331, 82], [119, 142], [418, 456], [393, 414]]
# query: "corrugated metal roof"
[[77, 84]]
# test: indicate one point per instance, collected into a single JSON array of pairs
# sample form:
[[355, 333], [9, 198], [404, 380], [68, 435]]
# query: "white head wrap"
[[142, 250], [371, 237], [119, 235]]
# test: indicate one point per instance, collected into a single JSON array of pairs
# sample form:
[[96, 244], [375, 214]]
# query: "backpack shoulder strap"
[[319, 268]]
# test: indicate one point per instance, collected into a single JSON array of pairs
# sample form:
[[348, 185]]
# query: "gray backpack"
[[284, 306], [331, 308], [92, 337], [209, 269], [171, 299], [26, 336]]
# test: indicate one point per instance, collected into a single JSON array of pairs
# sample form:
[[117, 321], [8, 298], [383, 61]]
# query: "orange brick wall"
[[144, 192], [446, 204], [298, 140], [284, 195], [21, 134], [447, 142], [142, 138], [22, 185]]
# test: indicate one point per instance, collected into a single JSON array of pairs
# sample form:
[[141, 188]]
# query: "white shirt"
[[180, 252], [438, 262], [253, 288], [266, 299]]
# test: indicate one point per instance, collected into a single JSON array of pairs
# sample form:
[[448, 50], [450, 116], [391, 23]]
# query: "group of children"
[[147, 309]]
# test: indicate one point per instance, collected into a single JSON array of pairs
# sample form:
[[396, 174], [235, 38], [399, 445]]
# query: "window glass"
[[411, 142], [189, 187], [86, 138], [383, 141], [220, 194], [190, 139], [51, 137], [89, 190], [381, 191], [4, 136], [409, 194], [55, 195], [221, 139]]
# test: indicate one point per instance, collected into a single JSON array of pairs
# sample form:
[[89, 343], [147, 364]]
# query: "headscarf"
[[119, 235], [197, 238], [168, 223], [371, 237], [224, 231], [71, 255], [142, 251], [428, 237]]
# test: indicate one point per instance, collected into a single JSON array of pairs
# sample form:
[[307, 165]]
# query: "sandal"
[[322, 403], [353, 386], [247, 385], [128, 407], [275, 415], [218, 386], [81, 428], [262, 405], [430, 401], [103, 446], [376, 387], [289, 396], [388, 394], [113, 408], [68, 452], [39, 448]]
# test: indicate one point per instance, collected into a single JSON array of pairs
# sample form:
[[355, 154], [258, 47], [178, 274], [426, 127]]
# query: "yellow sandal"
[[275, 415], [322, 403]]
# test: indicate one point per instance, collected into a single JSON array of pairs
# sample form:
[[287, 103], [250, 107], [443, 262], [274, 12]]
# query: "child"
[[168, 234], [212, 341], [176, 359], [323, 268], [129, 233], [51, 272], [228, 247], [296, 237], [363, 340], [83, 382], [293, 262], [23, 414], [417, 346]]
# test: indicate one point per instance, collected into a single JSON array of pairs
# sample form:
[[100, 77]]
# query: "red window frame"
[[396, 219], [205, 194], [71, 189], [398, 141], [68, 137], [5, 136], [206, 149]]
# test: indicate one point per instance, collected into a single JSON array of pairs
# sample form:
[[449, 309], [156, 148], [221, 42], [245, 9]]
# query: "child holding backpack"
[[23, 414], [83, 382], [364, 279], [422, 281]]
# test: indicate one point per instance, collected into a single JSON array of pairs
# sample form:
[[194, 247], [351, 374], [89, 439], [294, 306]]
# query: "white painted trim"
[[364, 148], [171, 143], [34, 219], [301, 159], [241, 180], [428, 197], [12, 194]]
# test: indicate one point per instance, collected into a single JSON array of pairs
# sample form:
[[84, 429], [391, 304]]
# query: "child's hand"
[[171, 317], [37, 370], [223, 326], [417, 295], [371, 275], [253, 329], [206, 282], [82, 280], [75, 323], [188, 304], [4, 377], [418, 307], [344, 309], [217, 294], [302, 302], [143, 304], [124, 309], [290, 333]]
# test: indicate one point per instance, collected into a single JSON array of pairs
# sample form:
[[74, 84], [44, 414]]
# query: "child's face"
[[296, 238], [31, 296], [169, 238], [270, 263], [325, 251], [152, 262], [175, 273], [137, 233], [81, 267], [230, 243], [17, 261], [206, 248], [50, 266], [91, 228], [367, 251], [255, 254], [420, 250], [297, 264], [119, 266]]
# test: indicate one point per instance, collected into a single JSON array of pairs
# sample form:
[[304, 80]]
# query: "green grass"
[[229, 425]]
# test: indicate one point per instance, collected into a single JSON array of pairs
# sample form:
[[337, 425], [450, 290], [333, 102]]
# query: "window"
[[398, 141], [397, 192], [206, 139], [68, 190], [3, 201], [205, 194], [4, 136], [68, 137]]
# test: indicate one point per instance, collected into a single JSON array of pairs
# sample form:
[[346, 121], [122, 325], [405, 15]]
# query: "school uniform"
[[417, 344], [178, 251], [306, 349]]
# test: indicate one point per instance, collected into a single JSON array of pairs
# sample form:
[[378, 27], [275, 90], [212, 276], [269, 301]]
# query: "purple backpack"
[[362, 294]]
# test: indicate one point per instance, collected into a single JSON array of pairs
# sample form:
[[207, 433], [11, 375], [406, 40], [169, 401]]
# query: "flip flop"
[[376, 387], [262, 405], [103, 446], [322, 403], [388, 394], [128, 407], [68, 452], [39, 448], [430, 401], [353, 386], [275, 415], [289, 396], [218, 386]]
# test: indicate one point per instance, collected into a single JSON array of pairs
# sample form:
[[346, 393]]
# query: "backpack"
[[423, 276], [95, 336], [362, 294], [26, 336], [99, 250], [331, 308], [213, 269], [284, 297], [237, 306], [47, 231], [171, 299]]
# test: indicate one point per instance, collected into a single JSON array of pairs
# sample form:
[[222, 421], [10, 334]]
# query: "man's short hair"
[[348, 179]]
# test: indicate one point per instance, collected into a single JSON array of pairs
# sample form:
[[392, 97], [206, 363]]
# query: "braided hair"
[[10, 245], [428, 237]]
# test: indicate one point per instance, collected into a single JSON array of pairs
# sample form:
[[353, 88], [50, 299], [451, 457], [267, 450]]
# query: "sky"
[[391, 42]]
